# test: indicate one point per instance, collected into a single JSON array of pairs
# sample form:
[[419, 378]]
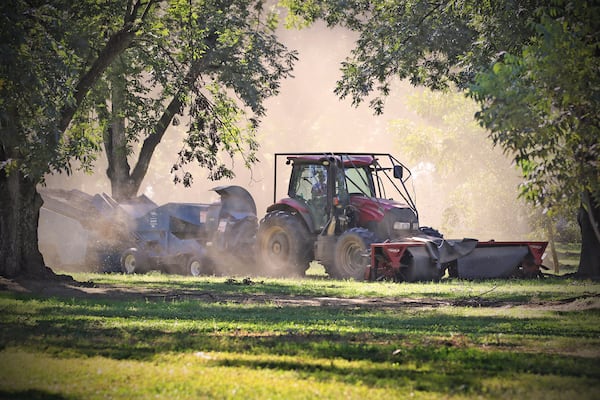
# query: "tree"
[[202, 55], [44, 78], [52, 63], [467, 42], [542, 105]]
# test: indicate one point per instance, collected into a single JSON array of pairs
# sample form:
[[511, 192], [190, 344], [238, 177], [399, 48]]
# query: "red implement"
[[417, 259]]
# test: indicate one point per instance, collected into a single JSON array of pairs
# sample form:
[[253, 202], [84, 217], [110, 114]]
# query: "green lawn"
[[168, 337]]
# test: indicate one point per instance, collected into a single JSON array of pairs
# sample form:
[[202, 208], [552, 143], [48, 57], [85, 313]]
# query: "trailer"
[[78, 231], [194, 238]]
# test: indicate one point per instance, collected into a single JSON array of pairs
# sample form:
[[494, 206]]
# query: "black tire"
[[351, 254], [131, 261], [284, 245]]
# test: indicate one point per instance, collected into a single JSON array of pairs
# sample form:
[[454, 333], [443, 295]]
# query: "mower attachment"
[[428, 258]]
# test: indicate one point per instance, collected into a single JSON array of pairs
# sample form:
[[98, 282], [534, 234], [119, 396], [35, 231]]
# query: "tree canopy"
[[65, 63], [430, 43], [542, 103]]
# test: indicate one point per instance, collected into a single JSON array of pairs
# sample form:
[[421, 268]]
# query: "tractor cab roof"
[[345, 159]]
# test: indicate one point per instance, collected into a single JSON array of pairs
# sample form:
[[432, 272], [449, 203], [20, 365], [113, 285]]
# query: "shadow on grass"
[[32, 395], [139, 330], [395, 346], [174, 287], [433, 378]]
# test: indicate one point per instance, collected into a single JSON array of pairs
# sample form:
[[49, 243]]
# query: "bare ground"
[[63, 286]]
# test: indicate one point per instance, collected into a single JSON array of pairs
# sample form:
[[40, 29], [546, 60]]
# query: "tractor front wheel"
[[284, 245], [352, 252]]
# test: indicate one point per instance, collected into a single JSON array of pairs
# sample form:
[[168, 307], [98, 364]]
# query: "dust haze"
[[308, 116]]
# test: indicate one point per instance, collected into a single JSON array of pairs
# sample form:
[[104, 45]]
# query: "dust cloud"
[[306, 116]]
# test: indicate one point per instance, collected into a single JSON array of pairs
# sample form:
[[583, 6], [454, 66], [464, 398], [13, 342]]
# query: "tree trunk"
[[550, 231], [118, 172], [115, 144], [19, 213], [588, 218], [126, 182]]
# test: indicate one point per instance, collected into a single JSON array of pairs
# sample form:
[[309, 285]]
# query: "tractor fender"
[[293, 206]]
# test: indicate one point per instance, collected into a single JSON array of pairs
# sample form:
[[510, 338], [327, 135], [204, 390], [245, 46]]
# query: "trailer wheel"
[[196, 266], [130, 261], [352, 254], [284, 245]]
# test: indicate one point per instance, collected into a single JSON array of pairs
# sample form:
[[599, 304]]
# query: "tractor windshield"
[[359, 181], [383, 177]]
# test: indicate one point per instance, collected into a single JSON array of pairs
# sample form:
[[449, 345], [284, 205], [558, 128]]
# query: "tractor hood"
[[374, 210]]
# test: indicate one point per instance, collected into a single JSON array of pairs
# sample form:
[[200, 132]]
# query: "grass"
[[225, 338]]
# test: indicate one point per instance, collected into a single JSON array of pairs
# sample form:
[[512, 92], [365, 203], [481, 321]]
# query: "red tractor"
[[337, 206], [339, 211]]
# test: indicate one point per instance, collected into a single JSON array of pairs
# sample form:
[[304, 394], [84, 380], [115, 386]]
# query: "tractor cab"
[[309, 186], [337, 191]]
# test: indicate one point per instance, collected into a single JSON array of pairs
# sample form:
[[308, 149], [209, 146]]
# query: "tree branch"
[[115, 46], [150, 143]]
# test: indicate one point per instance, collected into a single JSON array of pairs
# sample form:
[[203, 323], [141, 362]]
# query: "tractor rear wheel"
[[284, 245], [352, 254]]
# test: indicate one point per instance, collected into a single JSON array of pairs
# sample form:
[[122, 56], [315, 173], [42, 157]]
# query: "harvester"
[[340, 211], [194, 238], [137, 236]]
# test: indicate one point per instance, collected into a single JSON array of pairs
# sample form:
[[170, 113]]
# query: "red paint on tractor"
[[346, 160], [290, 203], [386, 259], [372, 210]]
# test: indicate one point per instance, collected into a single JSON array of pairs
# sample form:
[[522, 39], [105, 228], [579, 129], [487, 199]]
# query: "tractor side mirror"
[[398, 170]]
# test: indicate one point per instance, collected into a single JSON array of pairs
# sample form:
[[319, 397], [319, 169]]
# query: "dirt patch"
[[65, 287], [581, 303], [68, 288]]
